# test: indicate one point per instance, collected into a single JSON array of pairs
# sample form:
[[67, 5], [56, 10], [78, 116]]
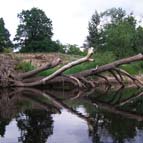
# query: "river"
[[100, 115]]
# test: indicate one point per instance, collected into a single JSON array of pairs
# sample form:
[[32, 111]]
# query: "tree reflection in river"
[[35, 125], [115, 117]]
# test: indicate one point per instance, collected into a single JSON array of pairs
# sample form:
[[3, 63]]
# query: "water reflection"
[[98, 115]]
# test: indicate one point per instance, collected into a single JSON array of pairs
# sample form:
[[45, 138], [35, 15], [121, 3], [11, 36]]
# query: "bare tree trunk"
[[9, 77], [109, 66], [36, 71], [58, 72]]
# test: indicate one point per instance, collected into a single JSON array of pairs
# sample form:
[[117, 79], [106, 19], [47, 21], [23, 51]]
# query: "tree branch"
[[59, 71], [129, 76], [109, 66], [36, 71]]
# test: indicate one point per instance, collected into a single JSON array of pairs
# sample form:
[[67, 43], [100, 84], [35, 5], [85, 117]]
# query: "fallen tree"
[[9, 77]]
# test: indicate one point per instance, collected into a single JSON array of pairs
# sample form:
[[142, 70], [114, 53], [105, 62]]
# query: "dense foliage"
[[73, 49], [5, 42], [114, 30], [34, 32]]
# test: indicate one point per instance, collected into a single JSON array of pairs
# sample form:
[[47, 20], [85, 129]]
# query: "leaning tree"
[[9, 77]]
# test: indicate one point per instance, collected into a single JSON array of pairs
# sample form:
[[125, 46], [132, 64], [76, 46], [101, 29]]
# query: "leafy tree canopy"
[[73, 49], [4, 37], [34, 32], [114, 30]]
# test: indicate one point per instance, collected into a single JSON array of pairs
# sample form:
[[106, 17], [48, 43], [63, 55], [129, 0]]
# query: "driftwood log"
[[9, 77]]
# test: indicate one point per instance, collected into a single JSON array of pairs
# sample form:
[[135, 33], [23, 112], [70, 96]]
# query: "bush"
[[102, 58], [7, 50], [25, 66]]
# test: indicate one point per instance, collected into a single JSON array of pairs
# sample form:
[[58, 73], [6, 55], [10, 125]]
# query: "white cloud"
[[70, 17]]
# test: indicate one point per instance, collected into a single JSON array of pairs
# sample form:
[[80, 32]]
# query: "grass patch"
[[25, 66], [134, 68], [48, 72], [99, 59]]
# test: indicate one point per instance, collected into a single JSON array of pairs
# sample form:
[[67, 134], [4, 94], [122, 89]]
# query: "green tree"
[[5, 41], [114, 30], [94, 33], [139, 39], [73, 49], [36, 127], [115, 14], [34, 32], [120, 37]]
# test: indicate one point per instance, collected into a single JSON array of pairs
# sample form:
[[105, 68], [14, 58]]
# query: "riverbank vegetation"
[[99, 59], [113, 30], [113, 35], [30, 61]]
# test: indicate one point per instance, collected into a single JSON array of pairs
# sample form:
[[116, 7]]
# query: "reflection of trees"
[[35, 125], [37, 112], [120, 123], [8, 108], [8, 104], [117, 113], [107, 117], [3, 124], [119, 127], [104, 114]]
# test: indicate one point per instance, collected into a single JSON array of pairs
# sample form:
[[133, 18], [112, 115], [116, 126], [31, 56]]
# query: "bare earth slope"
[[40, 59]]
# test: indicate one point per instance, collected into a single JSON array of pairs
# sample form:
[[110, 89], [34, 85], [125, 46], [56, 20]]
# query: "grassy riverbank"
[[99, 59]]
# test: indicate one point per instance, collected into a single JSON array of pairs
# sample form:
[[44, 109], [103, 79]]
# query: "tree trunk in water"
[[9, 77]]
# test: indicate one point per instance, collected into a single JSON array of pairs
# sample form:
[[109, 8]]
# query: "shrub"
[[25, 66]]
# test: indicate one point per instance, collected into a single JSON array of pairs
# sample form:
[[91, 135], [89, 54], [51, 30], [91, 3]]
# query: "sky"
[[69, 17]]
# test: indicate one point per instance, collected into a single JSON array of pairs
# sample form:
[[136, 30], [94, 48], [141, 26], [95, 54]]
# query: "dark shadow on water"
[[113, 114]]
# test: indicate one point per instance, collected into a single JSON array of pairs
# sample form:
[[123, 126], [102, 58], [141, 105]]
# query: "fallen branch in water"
[[9, 77]]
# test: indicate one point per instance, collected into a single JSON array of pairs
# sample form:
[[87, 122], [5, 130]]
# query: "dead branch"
[[80, 85], [104, 77], [86, 82], [129, 76], [59, 71], [130, 99], [115, 110], [116, 77], [120, 75], [109, 66], [9, 77], [43, 68]]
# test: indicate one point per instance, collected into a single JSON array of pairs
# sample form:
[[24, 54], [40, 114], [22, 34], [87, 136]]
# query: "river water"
[[94, 116]]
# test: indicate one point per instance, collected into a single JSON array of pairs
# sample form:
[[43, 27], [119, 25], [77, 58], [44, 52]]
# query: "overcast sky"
[[70, 17]]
